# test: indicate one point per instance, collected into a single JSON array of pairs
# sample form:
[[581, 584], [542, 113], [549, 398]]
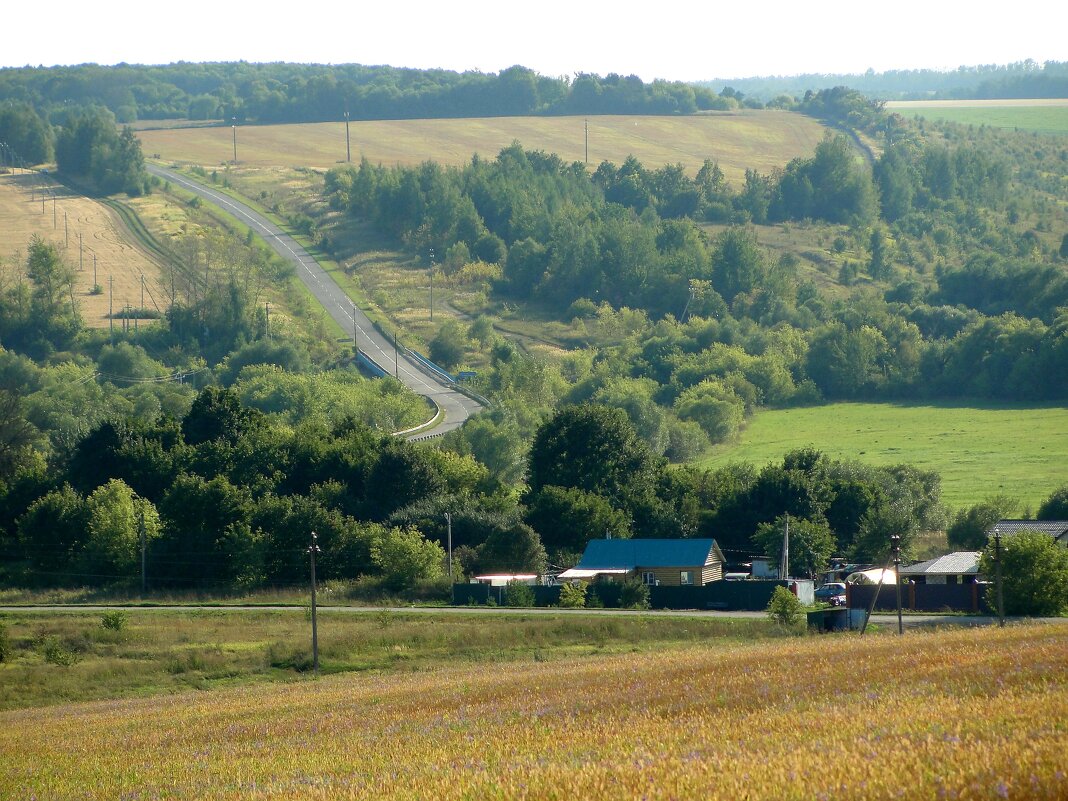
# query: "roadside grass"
[[60, 657], [979, 450], [965, 713]]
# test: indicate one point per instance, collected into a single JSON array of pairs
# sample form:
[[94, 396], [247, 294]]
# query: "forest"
[[944, 278]]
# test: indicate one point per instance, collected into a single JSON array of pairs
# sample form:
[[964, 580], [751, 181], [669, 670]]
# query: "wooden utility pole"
[[312, 550]]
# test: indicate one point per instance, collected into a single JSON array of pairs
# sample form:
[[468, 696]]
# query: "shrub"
[[784, 607], [519, 594], [634, 594], [573, 596], [5, 644], [115, 620], [56, 654]]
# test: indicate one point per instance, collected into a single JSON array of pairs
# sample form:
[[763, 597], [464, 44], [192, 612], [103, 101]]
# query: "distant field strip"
[[1017, 451], [737, 141], [961, 714], [1049, 116]]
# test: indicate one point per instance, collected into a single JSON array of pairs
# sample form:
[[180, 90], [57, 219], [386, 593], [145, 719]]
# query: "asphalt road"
[[456, 406]]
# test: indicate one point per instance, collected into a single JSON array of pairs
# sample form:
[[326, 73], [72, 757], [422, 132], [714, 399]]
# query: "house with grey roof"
[[1058, 529], [667, 562], [961, 567]]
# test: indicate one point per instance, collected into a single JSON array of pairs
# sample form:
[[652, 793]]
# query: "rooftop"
[[631, 554], [955, 564]]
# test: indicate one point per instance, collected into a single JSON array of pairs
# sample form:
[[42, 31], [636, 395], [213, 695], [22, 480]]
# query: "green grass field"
[[1046, 117], [1019, 451], [59, 657], [760, 140]]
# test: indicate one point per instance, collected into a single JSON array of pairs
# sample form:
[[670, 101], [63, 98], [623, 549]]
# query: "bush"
[[115, 620], [634, 594], [784, 607], [1034, 572], [519, 594], [55, 653], [5, 644], [573, 596]]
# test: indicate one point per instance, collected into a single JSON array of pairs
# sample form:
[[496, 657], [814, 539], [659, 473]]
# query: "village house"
[[670, 563]]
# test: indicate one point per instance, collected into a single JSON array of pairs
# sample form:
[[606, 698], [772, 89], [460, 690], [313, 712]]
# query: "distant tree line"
[[309, 92], [1023, 79]]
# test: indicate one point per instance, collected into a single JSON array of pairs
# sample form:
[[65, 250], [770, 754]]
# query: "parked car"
[[833, 593]]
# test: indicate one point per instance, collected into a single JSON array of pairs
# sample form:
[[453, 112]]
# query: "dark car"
[[833, 593]]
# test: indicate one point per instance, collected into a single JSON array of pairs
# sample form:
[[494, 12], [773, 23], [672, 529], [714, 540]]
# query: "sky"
[[669, 39]]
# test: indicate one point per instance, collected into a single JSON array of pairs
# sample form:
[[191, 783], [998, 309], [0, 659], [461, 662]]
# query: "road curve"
[[456, 407]]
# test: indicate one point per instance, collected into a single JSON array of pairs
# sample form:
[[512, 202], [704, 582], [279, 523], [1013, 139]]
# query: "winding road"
[[455, 406]]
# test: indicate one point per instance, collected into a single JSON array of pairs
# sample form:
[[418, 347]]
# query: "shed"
[[960, 567], [669, 562]]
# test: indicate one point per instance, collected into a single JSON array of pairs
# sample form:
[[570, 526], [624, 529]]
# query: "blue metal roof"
[[636, 553]]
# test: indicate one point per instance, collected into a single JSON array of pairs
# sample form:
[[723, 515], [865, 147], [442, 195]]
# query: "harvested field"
[[747, 139], [25, 211]]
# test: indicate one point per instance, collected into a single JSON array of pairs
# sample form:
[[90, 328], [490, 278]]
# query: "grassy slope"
[[961, 714], [749, 139], [1018, 451]]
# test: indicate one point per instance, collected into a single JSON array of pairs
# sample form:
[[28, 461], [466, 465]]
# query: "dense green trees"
[[28, 139], [89, 150], [1034, 572]]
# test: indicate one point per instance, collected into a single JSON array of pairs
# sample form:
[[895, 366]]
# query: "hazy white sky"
[[671, 39]]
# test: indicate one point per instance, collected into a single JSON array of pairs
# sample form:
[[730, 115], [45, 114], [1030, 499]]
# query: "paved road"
[[456, 406]]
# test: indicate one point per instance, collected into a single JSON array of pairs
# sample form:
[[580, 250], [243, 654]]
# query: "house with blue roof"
[[671, 563]]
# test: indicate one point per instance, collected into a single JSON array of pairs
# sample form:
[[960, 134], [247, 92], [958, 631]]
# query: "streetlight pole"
[[997, 576], [312, 550], [895, 544]]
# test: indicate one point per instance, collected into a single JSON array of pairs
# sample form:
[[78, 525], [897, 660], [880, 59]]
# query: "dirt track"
[[119, 263]]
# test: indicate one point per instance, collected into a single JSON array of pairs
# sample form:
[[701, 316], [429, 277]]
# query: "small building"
[[504, 579], [961, 567], [1058, 529], [671, 563]]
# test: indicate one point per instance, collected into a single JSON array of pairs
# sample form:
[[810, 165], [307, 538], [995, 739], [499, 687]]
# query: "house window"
[[686, 577], [649, 578]]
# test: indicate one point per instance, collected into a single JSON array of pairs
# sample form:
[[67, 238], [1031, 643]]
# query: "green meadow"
[[1019, 451], [1045, 118]]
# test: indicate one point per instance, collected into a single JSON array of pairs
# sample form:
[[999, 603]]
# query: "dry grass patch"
[[22, 214]]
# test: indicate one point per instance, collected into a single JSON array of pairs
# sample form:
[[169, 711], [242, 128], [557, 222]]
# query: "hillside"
[[737, 141], [119, 263]]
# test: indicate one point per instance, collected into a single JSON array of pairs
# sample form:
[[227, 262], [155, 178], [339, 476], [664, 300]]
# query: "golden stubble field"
[[760, 140], [959, 714], [119, 264]]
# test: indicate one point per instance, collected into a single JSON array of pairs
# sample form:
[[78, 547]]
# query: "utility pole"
[[997, 576], [53, 211], [312, 550], [267, 321], [66, 232], [448, 519], [94, 268], [895, 546], [235, 138], [396, 355], [348, 148], [431, 284], [586, 123], [111, 309], [784, 564], [81, 250], [141, 531]]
